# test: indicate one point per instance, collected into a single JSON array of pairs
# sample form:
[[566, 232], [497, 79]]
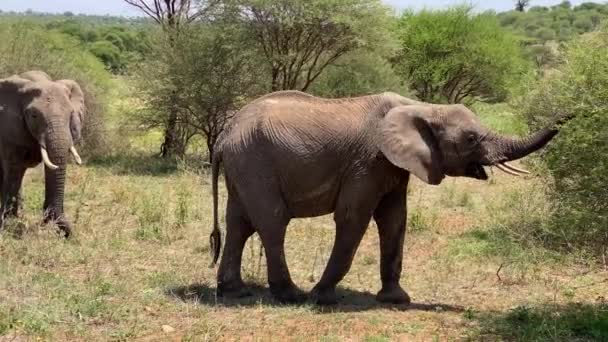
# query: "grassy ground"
[[137, 267]]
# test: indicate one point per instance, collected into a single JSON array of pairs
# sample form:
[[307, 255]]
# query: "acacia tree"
[[454, 56], [301, 38], [173, 16]]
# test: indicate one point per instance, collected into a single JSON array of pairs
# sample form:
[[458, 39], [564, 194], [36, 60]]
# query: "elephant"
[[41, 120], [289, 154]]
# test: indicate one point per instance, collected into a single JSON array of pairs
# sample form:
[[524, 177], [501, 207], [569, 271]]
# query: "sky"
[[119, 7]]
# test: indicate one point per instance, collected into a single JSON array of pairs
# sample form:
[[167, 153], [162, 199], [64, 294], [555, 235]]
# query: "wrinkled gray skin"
[[288, 155], [38, 115]]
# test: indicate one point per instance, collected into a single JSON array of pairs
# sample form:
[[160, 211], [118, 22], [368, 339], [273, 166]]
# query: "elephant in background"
[[40, 121], [291, 155]]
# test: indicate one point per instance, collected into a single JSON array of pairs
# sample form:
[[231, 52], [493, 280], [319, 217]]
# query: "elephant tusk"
[[46, 160], [516, 169], [76, 156], [505, 170]]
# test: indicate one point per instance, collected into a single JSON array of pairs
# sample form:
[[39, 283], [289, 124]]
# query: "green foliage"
[[115, 46], [454, 55], [300, 38], [358, 73], [501, 118], [108, 53], [24, 47], [117, 42], [578, 157], [565, 22]]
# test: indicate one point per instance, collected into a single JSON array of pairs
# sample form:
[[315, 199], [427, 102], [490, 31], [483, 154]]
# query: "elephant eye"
[[471, 138]]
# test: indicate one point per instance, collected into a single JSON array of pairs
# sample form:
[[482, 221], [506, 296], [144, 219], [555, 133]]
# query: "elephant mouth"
[[476, 171]]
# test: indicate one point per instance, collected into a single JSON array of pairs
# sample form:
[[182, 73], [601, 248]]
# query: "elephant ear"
[[21, 91], [77, 118], [407, 141]]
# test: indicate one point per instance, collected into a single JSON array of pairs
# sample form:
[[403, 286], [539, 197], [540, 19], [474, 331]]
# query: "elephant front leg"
[[391, 216]]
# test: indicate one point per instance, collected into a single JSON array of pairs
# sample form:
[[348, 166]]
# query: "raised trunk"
[[507, 149]]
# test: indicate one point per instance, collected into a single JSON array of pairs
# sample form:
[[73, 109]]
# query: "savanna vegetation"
[[520, 259]]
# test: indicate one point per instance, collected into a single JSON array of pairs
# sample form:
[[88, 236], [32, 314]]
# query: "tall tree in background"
[[172, 16], [300, 38], [520, 5]]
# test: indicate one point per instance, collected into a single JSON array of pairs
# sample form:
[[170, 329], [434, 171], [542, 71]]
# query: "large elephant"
[[40, 121], [289, 154]]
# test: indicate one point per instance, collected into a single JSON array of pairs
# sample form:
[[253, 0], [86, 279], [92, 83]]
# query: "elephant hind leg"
[[238, 230], [269, 215]]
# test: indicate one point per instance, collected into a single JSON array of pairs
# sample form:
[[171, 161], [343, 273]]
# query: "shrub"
[[25, 46], [578, 156]]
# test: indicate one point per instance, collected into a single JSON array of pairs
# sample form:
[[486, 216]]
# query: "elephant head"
[[434, 141], [46, 119]]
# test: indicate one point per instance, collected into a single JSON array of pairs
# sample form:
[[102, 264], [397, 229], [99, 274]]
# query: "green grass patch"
[[480, 244], [570, 322]]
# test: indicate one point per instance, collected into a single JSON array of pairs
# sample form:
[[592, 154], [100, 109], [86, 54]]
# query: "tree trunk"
[[172, 146]]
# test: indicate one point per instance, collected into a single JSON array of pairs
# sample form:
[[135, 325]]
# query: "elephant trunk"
[[506, 149], [57, 143]]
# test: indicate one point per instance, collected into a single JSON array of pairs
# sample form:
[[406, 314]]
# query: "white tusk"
[[516, 169], [76, 156], [46, 160], [505, 170]]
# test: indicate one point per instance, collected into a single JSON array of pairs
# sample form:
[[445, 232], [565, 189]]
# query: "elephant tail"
[[215, 238]]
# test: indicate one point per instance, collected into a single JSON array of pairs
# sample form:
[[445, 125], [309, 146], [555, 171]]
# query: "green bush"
[[578, 156], [25, 46]]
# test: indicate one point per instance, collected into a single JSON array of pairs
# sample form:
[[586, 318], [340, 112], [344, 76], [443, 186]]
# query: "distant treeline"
[[561, 22], [116, 41]]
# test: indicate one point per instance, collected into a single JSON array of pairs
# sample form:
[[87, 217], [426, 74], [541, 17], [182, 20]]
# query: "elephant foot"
[[393, 295], [288, 295], [235, 289], [65, 229], [324, 296]]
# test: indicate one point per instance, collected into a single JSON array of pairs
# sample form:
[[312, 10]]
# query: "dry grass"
[[139, 261]]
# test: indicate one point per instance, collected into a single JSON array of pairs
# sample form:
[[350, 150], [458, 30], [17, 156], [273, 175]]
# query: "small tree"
[[216, 69], [172, 16], [452, 55]]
